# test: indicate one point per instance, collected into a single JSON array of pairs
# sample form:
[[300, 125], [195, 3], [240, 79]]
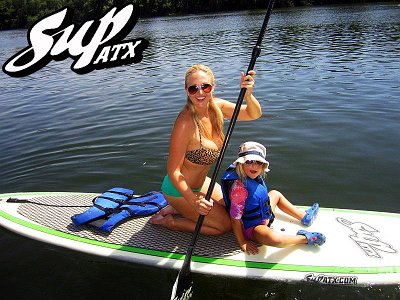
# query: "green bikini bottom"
[[169, 189]]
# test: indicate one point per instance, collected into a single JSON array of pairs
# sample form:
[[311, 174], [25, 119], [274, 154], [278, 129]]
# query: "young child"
[[252, 207]]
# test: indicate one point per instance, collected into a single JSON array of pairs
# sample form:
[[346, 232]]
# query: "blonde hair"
[[216, 116]]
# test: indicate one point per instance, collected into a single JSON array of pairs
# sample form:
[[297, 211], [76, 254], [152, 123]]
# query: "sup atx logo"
[[363, 236], [94, 45]]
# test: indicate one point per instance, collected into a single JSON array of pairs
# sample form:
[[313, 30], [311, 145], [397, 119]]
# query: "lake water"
[[328, 81]]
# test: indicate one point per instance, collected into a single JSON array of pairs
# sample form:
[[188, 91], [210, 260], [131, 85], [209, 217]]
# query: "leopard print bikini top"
[[202, 156]]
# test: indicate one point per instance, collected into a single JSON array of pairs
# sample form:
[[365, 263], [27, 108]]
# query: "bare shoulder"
[[184, 122], [225, 106], [220, 102]]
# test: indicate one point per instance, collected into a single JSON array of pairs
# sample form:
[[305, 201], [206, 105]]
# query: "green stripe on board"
[[298, 268], [201, 259]]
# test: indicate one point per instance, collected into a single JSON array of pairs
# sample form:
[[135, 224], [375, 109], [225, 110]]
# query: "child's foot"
[[310, 215], [313, 238]]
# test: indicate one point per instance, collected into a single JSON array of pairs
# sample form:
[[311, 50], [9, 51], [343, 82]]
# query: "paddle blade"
[[182, 289]]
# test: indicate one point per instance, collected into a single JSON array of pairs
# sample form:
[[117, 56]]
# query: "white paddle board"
[[362, 247]]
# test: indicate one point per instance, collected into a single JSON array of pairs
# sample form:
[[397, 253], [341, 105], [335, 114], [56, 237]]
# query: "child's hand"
[[249, 247]]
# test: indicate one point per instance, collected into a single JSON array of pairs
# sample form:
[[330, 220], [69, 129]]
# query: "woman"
[[195, 144], [252, 206]]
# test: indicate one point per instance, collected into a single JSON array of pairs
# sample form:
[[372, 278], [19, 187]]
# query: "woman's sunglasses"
[[193, 89], [250, 162]]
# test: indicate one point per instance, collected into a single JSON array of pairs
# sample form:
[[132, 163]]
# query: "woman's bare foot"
[[168, 210], [159, 219]]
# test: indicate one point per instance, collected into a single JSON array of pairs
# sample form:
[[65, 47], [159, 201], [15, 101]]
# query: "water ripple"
[[327, 79]]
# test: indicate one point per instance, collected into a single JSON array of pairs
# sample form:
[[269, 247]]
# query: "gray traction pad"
[[137, 232]]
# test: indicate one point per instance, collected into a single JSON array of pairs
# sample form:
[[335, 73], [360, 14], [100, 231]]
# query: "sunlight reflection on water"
[[327, 81]]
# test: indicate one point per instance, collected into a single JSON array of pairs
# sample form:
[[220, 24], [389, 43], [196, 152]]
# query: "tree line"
[[23, 13]]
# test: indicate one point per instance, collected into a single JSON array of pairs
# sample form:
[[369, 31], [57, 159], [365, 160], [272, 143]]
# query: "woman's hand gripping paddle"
[[182, 288]]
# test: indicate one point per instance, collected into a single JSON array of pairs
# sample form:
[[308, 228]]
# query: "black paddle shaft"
[[183, 277], [254, 56]]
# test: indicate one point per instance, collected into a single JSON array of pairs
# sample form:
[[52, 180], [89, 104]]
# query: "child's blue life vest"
[[103, 205], [257, 206], [117, 205]]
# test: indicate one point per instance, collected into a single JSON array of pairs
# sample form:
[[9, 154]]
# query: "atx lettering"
[[112, 53]]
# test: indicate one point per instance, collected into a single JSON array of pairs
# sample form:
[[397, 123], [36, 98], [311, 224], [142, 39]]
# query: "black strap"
[[16, 200], [121, 193], [258, 216], [108, 210], [142, 204], [251, 210], [120, 201]]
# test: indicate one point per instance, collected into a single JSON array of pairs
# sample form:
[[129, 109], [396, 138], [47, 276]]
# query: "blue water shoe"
[[313, 238], [310, 215]]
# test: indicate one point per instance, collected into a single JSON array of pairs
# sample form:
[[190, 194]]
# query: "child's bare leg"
[[266, 236], [277, 199]]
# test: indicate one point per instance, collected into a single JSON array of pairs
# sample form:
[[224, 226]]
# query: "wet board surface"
[[362, 247]]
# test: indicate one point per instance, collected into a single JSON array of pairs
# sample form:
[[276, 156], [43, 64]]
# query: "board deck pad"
[[362, 247], [137, 233]]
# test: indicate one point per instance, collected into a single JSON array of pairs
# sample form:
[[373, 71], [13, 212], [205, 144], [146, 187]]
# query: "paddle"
[[182, 288]]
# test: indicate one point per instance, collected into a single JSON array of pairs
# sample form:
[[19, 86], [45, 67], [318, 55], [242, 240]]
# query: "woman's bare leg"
[[215, 223], [216, 195], [168, 210]]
